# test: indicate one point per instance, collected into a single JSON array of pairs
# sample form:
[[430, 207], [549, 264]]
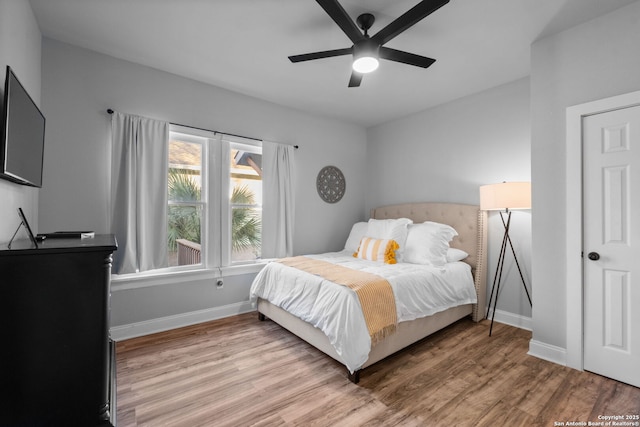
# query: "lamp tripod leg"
[[498, 276], [495, 278], [516, 260]]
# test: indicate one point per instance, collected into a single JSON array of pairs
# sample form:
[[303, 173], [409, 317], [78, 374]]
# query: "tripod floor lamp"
[[504, 197]]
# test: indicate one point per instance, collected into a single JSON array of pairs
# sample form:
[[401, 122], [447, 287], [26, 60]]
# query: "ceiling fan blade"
[[320, 55], [408, 19], [405, 57], [355, 79], [340, 17]]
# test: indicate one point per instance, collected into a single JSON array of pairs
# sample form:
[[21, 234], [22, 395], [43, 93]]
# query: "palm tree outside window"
[[186, 205], [246, 202]]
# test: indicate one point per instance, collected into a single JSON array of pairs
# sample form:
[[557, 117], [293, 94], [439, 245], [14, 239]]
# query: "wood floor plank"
[[616, 398], [541, 377], [502, 414], [239, 371]]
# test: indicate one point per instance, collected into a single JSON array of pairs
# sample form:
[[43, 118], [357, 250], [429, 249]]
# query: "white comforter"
[[419, 291]]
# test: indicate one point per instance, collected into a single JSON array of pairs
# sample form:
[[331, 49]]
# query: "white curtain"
[[139, 167], [278, 200]]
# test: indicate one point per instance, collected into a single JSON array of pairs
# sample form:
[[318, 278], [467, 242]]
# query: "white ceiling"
[[243, 45]]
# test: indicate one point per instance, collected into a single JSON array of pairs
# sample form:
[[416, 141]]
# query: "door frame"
[[574, 219]]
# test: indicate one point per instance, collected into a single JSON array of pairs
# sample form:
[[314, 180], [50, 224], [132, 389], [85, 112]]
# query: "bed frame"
[[470, 223]]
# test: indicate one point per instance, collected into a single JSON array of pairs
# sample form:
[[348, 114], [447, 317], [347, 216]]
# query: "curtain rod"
[[110, 111]]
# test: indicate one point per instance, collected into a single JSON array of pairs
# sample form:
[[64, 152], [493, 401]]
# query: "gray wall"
[[446, 153], [19, 48], [79, 85], [592, 61]]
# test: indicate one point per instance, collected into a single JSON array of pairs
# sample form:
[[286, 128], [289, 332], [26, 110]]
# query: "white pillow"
[[358, 231], [394, 229], [454, 254], [427, 243]]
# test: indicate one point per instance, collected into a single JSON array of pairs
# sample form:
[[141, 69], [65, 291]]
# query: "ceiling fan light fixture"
[[365, 56], [365, 64]]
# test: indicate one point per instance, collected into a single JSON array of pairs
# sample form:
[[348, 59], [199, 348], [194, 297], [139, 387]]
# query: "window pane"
[[184, 188], [246, 203], [246, 233], [185, 167], [184, 235]]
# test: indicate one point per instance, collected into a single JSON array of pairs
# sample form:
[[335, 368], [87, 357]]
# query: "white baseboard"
[[147, 327], [537, 349], [512, 319], [138, 329], [548, 352]]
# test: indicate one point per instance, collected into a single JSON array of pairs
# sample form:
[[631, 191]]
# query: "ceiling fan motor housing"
[[366, 47]]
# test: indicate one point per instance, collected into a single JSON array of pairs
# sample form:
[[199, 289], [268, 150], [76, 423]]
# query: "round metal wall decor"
[[331, 184]]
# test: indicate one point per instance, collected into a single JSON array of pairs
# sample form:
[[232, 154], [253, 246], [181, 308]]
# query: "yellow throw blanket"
[[374, 292]]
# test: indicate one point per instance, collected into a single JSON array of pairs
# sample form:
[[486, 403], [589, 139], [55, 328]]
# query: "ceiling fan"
[[367, 50]]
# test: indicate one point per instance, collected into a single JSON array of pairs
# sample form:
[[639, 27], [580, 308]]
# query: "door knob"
[[594, 256]]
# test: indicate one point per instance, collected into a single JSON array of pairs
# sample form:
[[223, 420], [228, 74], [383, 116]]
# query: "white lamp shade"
[[505, 195]]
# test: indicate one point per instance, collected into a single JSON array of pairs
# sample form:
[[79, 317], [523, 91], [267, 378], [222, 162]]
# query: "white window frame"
[[203, 139], [252, 146]]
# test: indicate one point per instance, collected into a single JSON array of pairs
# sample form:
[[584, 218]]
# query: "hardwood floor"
[[242, 372]]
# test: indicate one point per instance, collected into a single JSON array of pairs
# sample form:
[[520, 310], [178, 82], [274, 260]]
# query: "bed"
[[470, 224]]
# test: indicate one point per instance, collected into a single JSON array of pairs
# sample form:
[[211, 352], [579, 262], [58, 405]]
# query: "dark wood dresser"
[[58, 365]]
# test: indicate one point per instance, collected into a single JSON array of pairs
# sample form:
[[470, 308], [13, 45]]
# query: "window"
[[198, 224], [187, 206], [245, 202]]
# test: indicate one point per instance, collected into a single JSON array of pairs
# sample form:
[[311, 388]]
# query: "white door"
[[611, 215]]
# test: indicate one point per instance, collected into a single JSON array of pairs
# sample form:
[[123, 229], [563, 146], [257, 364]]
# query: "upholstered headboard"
[[470, 223]]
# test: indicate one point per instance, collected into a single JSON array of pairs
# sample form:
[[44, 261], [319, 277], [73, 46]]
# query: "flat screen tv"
[[22, 139]]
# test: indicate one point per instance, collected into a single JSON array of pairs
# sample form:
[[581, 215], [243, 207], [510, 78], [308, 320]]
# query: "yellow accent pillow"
[[379, 250]]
